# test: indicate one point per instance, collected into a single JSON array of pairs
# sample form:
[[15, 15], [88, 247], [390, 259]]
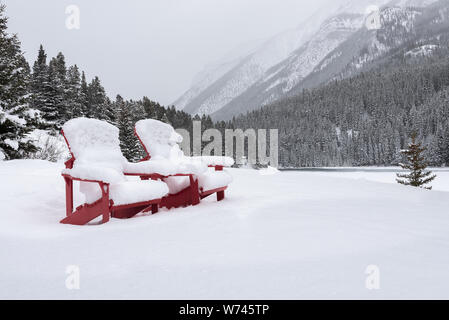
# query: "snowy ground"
[[285, 236]]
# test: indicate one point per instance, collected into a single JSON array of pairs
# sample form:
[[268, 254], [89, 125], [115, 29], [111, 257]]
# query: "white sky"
[[150, 47]]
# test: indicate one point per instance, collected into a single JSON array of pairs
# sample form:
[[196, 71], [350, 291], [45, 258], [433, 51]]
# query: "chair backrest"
[[159, 139], [93, 141]]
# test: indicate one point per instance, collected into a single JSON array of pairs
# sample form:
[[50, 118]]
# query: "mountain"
[[331, 45], [220, 82], [406, 31], [396, 83], [283, 77], [216, 70]]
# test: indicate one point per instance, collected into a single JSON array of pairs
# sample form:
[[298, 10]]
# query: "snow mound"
[[207, 181], [94, 141], [161, 142], [95, 145], [177, 184], [127, 192], [214, 180], [268, 171], [160, 139], [215, 160], [93, 172]]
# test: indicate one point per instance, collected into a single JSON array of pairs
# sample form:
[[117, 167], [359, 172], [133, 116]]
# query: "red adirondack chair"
[[160, 142], [99, 165]]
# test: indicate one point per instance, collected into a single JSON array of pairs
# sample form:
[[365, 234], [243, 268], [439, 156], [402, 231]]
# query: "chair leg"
[[195, 191], [107, 205], [106, 217], [220, 195], [154, 208], [69, 196]]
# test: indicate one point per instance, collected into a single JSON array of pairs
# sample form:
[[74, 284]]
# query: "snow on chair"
[[160, 142], [99, 165]]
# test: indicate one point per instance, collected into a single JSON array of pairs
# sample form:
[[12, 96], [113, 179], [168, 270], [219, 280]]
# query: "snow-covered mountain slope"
[[278, 69], [340, 49], [364, 47], [215, 71], [282, 78], [406, 32], [218, 84]]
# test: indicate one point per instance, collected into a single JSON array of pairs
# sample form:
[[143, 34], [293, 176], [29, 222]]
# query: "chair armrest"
[[164, 168], [93, 174], [215, 161], [69, 176]]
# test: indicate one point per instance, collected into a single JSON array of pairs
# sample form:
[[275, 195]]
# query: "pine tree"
[[110, 113], [128, 142], [42, 93], [61, 87], [14, 104], [149, 107], [39, 81], [99, 106], [418, 176], [74, 103], [55, 110], [84, 97]]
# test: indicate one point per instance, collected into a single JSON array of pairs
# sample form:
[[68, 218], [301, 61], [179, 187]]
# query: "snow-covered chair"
[[99, 165], [160, 142]]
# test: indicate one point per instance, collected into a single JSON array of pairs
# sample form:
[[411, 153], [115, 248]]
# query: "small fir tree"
[[418, 177]]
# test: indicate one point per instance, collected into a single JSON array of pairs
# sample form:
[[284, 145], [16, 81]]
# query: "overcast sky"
[[150, 47]]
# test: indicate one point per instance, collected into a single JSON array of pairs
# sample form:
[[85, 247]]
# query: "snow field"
[[287, 235]]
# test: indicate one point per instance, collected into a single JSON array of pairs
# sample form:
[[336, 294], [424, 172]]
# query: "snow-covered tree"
[[128, 141], [418, 176], [73, 96], [39, 82], [14, 106], [60, 86], [84, 96], [100, 106], [55, 111]]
